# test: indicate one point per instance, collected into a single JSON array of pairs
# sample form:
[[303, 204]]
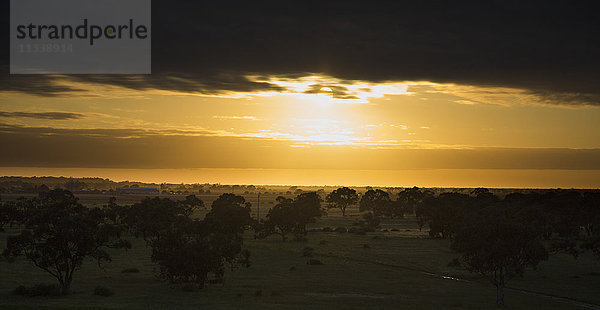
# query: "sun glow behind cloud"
[[304, 111], [333, 90]]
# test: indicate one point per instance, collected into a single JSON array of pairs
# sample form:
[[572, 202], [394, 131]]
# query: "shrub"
[[40, 289], [307, 251], [189, 287], [327, 229], [313, 261], [361, 231], [130, 270], [103, 291], [341, 230]]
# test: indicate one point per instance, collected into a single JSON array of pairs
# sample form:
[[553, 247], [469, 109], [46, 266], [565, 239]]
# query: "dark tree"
[[193, 202], [152, 217], [291, 216], [306, 208], [342, 198], [495, 243], [230, 213], [410, 199], [74, 185], [60, 233], [188, 251], [192, 250], [369, 222], [591, 222], [442, 213], [9, 213], [377, 201], [280, 219]]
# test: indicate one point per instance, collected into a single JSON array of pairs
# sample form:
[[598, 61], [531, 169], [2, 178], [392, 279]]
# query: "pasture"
[[397, 267]]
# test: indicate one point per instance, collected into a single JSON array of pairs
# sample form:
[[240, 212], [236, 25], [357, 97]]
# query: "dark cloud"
[[338, 92], [42, 115], [97, 132], [550, 48], [136, 148]]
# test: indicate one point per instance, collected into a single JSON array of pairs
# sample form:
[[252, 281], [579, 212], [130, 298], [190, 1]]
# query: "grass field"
[[400, 269]]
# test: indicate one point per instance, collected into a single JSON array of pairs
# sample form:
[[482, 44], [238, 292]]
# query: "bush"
[[307, 251], [130, 270], [327, 229], [189, 287], [361, 231], [103, 291], [314, 262], [341, 230], [40, 289]]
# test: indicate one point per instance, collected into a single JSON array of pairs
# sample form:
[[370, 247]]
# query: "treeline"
[[496, 237], [499, 238], [58, 233]]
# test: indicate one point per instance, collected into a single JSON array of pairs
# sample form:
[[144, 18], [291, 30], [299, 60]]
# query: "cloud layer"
[[545, 48]]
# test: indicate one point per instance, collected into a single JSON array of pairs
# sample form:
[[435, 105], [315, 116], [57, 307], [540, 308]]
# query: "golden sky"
[[318, 122]]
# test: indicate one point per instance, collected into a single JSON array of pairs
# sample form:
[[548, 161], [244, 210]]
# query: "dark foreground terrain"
[[396, 267]]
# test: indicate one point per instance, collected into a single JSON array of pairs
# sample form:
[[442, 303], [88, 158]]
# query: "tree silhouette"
[[74, 185], [188, 250], [191, 250], [377, 201], [229, 213], [153, 217], [443, 213], [495, 243], [8, 214], [342, 198], [280, 219], [291, 216], [60, 233], [410, 198]]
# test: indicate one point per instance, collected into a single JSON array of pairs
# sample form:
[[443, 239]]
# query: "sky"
[[496, 94]]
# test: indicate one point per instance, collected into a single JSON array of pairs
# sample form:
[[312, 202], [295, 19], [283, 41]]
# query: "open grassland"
[[395, 269]]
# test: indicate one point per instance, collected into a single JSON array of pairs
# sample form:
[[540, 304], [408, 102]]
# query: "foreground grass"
[[396, 270]]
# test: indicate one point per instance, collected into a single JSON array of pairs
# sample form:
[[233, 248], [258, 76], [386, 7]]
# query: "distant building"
[[150, 191]]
